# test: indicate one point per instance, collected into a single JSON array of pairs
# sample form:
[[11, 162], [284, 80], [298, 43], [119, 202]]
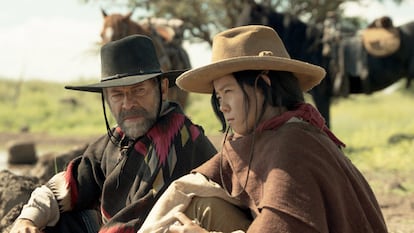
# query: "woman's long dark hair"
[[284, 91]]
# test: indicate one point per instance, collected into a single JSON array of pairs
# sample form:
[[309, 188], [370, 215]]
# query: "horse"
[[167, 39], [306, 42], [375, 58]]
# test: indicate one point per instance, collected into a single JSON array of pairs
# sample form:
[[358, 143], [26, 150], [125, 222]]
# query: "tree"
[[204, 18]]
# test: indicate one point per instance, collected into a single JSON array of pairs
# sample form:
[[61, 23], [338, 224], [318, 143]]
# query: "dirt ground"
[[396, 200]]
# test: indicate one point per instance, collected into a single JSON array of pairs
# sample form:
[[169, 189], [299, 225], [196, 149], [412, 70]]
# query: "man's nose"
[[129, 101]]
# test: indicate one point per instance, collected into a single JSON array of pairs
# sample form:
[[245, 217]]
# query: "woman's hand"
[[187, 225]]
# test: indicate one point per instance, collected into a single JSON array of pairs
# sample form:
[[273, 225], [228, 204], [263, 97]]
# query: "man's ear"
[[164, 88]]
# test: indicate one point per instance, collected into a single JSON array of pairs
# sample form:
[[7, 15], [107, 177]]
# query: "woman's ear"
[[266, 79], [268, 90]]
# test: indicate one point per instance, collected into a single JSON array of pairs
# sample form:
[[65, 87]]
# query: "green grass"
[[377, 129], [200, 112], [369, 124], [41, 106], [379, 132]]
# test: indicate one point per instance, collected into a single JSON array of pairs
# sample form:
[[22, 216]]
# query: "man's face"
[[135, 107]]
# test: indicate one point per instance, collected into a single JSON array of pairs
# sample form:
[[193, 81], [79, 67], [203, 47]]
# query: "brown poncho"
[[123, 181], [299, 181]]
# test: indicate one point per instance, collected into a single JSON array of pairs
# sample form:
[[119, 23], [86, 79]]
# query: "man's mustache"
[[141, 112]]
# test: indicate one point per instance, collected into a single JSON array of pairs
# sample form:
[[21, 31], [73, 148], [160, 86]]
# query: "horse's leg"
[[179, 96], [162, 54], [410, 74], [185, 59], [321, 95], [179, 61]]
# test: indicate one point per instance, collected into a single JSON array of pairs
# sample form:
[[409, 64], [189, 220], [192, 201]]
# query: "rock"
[[15, 191], [50, 164], [22, 153]]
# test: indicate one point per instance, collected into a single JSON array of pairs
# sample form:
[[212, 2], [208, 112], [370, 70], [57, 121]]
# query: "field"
[[378, 130]]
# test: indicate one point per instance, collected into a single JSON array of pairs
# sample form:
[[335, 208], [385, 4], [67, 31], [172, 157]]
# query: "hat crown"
[[128, 61], [129, 56], [254, 40]]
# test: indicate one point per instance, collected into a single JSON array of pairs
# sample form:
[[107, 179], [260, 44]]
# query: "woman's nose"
[[224, 107]]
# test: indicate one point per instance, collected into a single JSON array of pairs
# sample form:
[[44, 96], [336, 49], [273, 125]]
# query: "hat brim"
[[200, 80], [127, 80]]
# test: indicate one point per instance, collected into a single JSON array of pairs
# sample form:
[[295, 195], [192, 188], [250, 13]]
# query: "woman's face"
[[239, 115]]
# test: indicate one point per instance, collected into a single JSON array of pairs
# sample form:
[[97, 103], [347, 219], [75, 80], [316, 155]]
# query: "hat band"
[[117, 76]]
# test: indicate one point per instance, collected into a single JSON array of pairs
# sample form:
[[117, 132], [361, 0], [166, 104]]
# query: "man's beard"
[[136, 129]]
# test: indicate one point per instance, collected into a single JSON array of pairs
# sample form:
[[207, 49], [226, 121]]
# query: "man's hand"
[[24, 226], [186, 225]]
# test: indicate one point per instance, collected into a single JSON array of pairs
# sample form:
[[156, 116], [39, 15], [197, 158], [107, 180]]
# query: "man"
[[124, 172]]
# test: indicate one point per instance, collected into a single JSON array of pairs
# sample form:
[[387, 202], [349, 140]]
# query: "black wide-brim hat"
[[128, 61]]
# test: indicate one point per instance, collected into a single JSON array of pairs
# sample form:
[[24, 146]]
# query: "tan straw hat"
[[251, 47]]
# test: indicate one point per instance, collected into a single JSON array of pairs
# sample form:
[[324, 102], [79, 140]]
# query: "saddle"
[[166, 32], [381, 42], [167, 29]]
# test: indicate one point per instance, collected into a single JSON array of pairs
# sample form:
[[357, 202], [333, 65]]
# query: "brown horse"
[[166, 39]]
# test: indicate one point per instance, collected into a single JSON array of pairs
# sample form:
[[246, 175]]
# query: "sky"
[[57, 40]]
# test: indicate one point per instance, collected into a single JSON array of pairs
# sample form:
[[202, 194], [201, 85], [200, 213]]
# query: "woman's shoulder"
[[295, 139], [292, 131]]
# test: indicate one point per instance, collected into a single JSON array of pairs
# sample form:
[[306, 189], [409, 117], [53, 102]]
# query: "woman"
[[280, 167]]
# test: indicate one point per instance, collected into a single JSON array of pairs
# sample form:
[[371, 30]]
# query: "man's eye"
[[117, 97], [139, 91]]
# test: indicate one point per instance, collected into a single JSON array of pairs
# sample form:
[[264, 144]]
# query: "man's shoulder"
[[101, 143]]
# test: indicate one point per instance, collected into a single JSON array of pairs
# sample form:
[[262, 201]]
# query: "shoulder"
[[298, 144], [290, 134], [101, 144]]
